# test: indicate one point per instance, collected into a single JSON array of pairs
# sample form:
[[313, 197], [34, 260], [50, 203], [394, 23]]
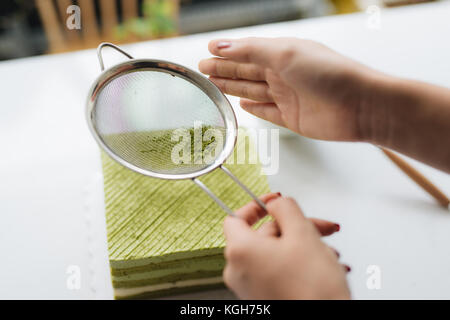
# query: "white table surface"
[[51, 195]]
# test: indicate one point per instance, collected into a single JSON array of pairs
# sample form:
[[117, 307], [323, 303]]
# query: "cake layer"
[[164, 289], [155, 262], [164, 235], [199, 263], [171, 277]]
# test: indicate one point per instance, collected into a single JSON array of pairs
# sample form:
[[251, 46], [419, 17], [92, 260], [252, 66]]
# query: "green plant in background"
[[158, 21]]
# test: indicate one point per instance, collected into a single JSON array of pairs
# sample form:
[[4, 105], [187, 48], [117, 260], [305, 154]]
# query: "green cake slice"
[[166, 237]]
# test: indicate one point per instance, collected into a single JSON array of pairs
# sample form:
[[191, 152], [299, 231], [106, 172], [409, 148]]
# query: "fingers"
[[258, 91], [252, 211], [238, 229], [268, 54], [263, 110], [288, 215], [224, 68], [269, 229], [333, 251], [338, 255], [325, 227]]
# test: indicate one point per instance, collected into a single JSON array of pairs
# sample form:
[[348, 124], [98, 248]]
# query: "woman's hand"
[[314, 91], [284, 258], [298, 84]]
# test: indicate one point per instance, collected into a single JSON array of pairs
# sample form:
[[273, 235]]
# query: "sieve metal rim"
[[197, 79]]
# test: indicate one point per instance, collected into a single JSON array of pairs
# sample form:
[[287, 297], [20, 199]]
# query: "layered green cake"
[[166, 237]]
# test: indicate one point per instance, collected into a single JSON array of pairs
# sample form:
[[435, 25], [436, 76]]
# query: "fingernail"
[[279, 194], [337, 227], [223, 44], [347, 268], [337, 253]]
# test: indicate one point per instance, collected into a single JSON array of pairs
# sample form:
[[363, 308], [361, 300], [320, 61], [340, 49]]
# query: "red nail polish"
[[279, 194], [337, 227], [223, 44], [347, 268]]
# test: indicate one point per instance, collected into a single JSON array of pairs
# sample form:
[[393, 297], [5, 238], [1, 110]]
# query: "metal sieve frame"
[[197, 79]]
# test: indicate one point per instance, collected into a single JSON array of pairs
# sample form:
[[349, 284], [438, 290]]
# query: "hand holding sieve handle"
[[220, 202]]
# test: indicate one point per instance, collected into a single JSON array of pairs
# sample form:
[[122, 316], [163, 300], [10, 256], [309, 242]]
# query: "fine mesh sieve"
[[162, 120]]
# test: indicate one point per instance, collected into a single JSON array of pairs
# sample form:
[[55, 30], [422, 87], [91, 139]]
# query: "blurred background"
[[34, 27]]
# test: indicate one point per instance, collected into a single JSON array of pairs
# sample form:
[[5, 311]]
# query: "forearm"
[[410, 117]]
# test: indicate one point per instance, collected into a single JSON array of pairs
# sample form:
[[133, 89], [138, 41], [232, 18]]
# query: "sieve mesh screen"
[[159, 122]]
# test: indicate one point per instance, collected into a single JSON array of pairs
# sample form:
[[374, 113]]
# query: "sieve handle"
[[220, 202], [108, 44], [235, 179], [214, 197]]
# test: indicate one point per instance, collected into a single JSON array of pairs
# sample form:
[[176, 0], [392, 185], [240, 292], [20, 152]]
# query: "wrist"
[[408, 116], [375, 114]]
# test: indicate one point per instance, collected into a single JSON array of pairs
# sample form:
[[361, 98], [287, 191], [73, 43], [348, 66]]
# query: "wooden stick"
[[419, 178]]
